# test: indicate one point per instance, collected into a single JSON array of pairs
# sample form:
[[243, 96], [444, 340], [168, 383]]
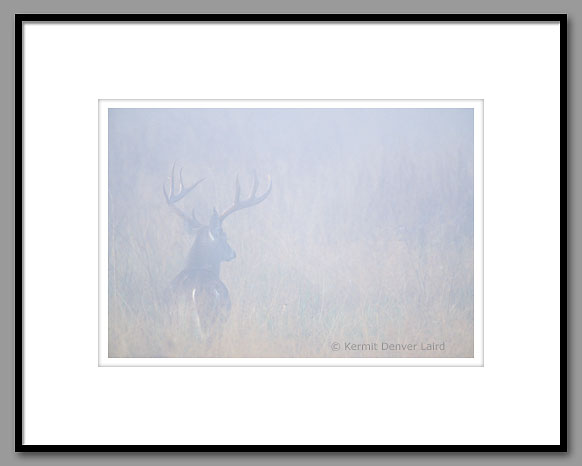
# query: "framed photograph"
[[282, 225]]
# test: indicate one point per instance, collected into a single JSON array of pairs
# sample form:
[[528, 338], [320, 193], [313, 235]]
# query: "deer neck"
[[198, 259]]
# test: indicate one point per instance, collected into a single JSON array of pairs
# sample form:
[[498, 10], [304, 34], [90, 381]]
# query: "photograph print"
[[317, 230]]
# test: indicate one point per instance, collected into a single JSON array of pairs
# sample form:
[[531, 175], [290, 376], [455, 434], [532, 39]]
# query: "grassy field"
[[377, 247]]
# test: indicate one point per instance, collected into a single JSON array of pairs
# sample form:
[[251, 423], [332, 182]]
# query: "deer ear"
[[214, 220]]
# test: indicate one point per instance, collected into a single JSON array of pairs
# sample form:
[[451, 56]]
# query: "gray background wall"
[[10, 7]]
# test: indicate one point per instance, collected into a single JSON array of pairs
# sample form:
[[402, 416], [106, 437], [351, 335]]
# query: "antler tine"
[[194, 221], [250, 201], [255, 184], [236, 190], [176, 196], [171, 185], [173, 197], [181, 181]]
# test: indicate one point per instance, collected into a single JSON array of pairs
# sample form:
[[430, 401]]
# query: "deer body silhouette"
[[199, 282]]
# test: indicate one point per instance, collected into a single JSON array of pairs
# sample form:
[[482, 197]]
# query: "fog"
[[367, 235]]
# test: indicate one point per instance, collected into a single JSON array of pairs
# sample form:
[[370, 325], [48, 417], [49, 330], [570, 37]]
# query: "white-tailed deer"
[[199, 282]]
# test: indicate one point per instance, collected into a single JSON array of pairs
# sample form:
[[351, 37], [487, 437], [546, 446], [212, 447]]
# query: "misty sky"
[[405, 167]]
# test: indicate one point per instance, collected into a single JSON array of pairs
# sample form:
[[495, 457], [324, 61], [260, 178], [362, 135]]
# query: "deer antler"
[[190, 221], [252, 199]]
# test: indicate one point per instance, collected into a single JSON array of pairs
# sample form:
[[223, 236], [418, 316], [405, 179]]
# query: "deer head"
[[210, 246]]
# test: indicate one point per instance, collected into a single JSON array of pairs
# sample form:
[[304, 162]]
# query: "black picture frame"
[[20, 19]]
